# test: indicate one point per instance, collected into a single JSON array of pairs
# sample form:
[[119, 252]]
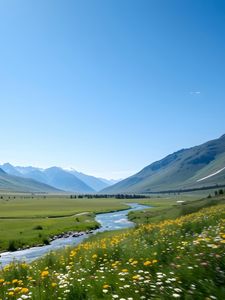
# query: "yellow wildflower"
[[73, 253], [44, 273], [24, 290], [17, 289], [106, 286], [124, 270], [20, 282], [15, 281]]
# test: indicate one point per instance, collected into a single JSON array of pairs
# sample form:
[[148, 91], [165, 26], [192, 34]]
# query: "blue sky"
[[107, 87]]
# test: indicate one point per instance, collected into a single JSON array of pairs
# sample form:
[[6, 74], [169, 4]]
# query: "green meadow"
[[28, 221], [176, 251], [33, 220], [171, 208]]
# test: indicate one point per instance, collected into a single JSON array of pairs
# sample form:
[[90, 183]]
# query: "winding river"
[[108, 221]]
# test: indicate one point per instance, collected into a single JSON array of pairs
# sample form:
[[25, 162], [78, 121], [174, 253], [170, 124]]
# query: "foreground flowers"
[[182, 258]]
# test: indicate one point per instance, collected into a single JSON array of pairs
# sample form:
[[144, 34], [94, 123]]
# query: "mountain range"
[[11, 183], [56, 178], [193, 168], [196, 167]]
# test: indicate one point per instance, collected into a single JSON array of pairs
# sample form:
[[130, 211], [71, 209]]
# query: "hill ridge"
[[179, 170]]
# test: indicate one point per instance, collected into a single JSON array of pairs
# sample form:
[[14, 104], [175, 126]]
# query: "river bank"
[[108, 221]]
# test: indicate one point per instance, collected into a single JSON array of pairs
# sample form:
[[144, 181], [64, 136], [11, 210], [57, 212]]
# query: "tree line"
[[117, 196]]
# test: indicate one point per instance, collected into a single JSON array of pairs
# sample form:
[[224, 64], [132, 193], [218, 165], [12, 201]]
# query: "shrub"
[[45, 241], [38, 227], [220, 192], [14, 245]]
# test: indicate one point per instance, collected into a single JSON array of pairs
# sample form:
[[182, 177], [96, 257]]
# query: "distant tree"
[[220, 192]]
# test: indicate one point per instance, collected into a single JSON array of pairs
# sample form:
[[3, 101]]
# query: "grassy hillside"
[[179, 258], [173, 208], [187, 168]]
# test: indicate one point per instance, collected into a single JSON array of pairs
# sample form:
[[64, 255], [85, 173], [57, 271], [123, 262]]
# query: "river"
[[108, 221]]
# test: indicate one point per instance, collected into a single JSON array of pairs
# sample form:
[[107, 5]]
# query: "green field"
[[33, 220], [177, 251], [28, 221], [171, 208], [33, 207]]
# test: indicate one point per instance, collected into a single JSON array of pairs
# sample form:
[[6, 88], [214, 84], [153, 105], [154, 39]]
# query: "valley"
[[112, 155], [170, 246]]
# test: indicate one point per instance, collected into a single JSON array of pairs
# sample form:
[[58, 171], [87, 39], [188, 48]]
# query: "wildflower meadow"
[[183, 258]]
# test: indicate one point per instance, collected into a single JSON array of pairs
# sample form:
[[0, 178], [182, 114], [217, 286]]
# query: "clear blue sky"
[[109, 86]]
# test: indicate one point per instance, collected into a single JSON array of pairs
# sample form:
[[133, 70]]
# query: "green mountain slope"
[[10, 183], [195, 167]]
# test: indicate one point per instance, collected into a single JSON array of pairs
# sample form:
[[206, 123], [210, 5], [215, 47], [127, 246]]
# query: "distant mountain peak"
[[7, 164], [69, 169], [67, 179], [10, 169]]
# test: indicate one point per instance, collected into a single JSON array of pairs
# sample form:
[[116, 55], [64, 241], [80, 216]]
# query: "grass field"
[[28, 221], [180, 257], [170, 208], [33, 207], [31, 221]]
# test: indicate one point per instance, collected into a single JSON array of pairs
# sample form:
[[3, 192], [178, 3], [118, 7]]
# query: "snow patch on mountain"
[[213, 174]]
